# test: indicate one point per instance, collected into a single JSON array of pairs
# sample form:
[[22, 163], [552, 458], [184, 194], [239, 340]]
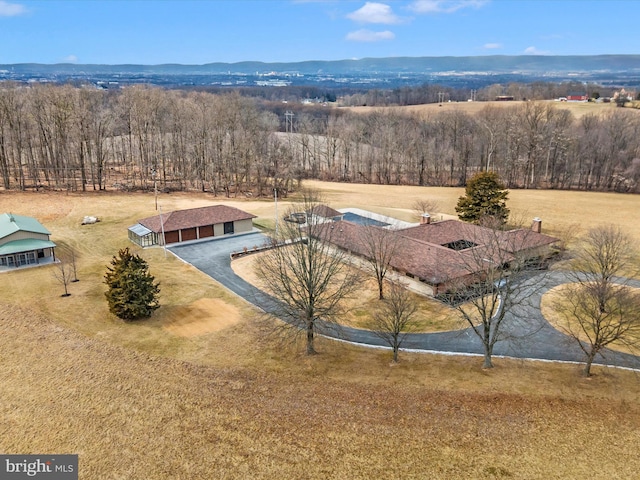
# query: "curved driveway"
[[526, 334]]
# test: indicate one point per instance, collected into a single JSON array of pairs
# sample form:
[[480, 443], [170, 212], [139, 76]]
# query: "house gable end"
[[11, 224]]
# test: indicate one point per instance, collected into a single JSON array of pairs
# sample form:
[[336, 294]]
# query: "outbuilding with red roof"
[[192, 224]]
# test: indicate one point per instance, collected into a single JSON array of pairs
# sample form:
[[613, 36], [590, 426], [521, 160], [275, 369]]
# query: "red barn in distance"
[[577, 97]]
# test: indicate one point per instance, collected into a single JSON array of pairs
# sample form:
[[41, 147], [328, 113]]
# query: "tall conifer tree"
[[485, 198], [132, 293]]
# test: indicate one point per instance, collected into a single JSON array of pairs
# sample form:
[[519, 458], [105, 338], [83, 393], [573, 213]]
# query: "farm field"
[[578, 109], [203, 390]]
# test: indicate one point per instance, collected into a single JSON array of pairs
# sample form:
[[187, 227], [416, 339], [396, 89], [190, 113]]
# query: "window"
[[228, 227]]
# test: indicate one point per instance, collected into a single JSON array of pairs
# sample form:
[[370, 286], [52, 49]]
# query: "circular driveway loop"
[[526, 335]]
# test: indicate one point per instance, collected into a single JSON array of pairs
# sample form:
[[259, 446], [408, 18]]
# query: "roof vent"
[[11, 219]]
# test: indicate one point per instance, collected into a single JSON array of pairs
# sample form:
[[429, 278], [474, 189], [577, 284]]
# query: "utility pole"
[[288, 121], [164, 242], [155, 186], [275, 196]]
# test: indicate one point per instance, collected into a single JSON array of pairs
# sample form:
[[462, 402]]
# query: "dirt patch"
[[201, 317]]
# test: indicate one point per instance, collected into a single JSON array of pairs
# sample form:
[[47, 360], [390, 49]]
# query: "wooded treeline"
[[66, 137]]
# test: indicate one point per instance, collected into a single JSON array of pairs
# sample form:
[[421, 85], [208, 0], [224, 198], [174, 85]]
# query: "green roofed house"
[[24, 241]]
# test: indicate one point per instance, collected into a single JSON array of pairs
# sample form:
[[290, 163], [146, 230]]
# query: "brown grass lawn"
[[557, 209], [578, 109], [431, 315], [201, 390], [555, 297]]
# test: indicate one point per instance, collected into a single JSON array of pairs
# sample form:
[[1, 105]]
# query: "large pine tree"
[[485, 198], [131, 292]]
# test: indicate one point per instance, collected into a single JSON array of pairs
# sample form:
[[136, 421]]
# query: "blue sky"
[[204, 31]]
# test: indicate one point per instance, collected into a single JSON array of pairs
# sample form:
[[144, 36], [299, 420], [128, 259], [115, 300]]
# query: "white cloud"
[[11, 9], [492, 46], [534, 51], [369, 36], [444, 6], [373, 12], [70, 59]]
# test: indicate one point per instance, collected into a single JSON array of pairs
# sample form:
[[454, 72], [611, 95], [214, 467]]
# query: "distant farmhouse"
[[443, 256], [24, 241], [577, 97], [192, 224]]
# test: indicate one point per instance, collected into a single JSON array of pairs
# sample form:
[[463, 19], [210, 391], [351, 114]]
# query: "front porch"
[[25, 253]]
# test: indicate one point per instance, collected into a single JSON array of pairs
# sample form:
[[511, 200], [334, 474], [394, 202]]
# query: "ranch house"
[[445, 255], [192, 224], [24, 241]]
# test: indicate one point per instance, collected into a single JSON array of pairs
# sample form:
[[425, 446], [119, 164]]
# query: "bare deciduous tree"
[[63, 273], [425, 205], [309, 278], [599, 307], [496, 287], [379, 246], [65, 137], [395, 317]]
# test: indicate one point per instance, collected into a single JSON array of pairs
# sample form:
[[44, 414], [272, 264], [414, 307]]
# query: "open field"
[[342, 414], [557, 209], [179, 397], [578, 109]]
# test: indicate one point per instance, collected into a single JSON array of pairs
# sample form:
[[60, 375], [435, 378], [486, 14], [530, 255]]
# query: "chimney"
[[425, 219], [536, 226]]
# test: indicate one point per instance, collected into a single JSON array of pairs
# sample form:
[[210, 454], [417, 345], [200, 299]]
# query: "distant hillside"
[[489, 64], [364, 74]]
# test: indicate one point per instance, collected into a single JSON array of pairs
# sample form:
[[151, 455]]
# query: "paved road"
[[526, 334]]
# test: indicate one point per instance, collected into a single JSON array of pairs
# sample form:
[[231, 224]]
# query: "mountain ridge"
[[484, 63], [614, 71]]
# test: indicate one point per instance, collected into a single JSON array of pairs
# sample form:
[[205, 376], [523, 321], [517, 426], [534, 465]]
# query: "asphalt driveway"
[[213, 257], [526, 333]]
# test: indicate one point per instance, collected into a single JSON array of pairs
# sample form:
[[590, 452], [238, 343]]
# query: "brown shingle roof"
[[195, 217], [524, 239], [439, 233], [430, 262], [448, 231], [420, 251], [325, 211]]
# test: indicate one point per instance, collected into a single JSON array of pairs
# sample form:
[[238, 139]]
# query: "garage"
[[206, 231], [189, 234], [172, 237], [191, 224]]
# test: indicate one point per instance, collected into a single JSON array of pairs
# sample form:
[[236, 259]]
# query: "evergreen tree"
[[132, 293], [485, 198]]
